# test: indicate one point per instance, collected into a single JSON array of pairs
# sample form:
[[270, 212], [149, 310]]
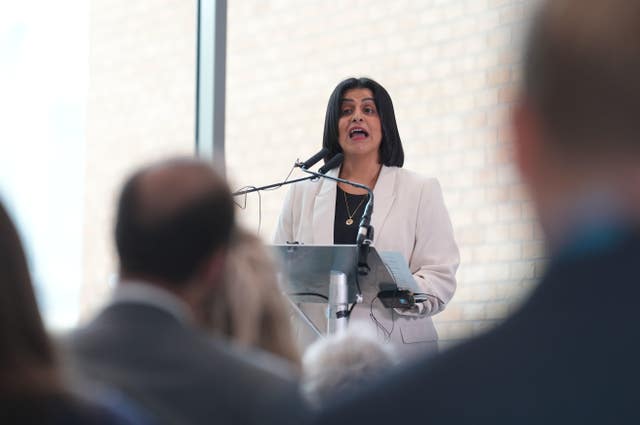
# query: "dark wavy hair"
[[27, 359], [391, 152]]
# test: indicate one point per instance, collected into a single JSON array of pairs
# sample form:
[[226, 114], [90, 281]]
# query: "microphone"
[[365, 232], [332, 163], [303, 165], [314, 159]]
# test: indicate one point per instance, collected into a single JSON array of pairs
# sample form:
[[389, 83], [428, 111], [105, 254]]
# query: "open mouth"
[[358, 133]]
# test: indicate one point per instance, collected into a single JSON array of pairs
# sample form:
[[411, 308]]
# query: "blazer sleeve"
[[435, 256], [284, 230]]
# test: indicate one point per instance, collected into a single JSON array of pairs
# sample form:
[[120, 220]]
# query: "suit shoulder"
[[254, 361], [416, 179], [305, 188]]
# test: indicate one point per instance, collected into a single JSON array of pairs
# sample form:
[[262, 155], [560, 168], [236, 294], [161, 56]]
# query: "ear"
[[214, 267], [526, 139]]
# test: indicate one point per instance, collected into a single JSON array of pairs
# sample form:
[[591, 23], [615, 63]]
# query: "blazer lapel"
[[324, 211], [384, 194]]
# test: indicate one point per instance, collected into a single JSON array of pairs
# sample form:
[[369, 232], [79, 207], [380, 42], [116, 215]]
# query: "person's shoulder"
[[104, 413], [307, 186], [79, 339], [255, 363], [119, 321], [66, 408], [410, 177], [269, 385]]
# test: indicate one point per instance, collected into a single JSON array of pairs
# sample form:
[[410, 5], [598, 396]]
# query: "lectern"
[[330, 274]]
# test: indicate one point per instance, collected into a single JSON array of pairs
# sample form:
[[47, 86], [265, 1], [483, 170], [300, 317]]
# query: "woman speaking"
[[409, 215]]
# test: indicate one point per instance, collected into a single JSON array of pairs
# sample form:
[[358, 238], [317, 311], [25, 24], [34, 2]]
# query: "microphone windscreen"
[[314, 159], [332, 163]]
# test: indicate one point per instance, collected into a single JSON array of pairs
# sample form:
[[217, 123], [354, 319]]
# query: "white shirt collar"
[[140, 292]]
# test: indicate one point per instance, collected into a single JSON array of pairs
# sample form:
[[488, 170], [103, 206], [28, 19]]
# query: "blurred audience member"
[[32, 390], [249, 306], [345, 361], [173, 226], [570, 354]]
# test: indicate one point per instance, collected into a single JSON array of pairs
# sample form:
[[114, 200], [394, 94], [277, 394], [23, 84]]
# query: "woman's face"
[[359, 128]]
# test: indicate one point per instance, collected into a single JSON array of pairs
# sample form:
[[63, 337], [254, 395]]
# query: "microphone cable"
[[386, 332], [286, 179], [309, 294], [243, 206]]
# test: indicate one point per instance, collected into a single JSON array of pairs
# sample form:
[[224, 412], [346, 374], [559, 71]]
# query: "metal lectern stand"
[[328, 274]]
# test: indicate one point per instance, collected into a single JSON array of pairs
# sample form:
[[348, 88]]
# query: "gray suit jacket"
[[181, 375]]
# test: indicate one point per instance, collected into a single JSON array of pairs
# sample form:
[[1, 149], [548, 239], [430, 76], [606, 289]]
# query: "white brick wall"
[[140, 107], [450, 67]]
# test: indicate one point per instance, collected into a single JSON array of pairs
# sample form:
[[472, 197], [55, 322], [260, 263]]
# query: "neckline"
[[349, 194]]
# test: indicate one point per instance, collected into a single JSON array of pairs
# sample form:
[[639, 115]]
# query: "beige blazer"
[[409, 216]]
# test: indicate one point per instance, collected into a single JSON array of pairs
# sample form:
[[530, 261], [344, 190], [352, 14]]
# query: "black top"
[[344, 234]]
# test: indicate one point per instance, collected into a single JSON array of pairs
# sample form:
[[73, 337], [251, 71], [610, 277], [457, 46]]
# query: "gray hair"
[[344, 361]]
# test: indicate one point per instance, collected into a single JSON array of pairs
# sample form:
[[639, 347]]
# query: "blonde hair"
[[249, 306]]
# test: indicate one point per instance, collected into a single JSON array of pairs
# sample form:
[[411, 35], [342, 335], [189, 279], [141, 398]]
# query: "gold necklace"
[[349, 221]]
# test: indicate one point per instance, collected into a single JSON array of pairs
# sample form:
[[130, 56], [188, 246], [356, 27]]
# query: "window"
[[90, 90]]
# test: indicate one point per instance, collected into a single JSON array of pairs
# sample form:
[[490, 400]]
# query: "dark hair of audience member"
[[27, 358], [170, 245], [391, 152], [32, 388], [581, 68]]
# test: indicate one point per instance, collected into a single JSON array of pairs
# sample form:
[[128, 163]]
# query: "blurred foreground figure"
[[249, 307], [173, 226], [32, 390], [346, 361], [570, 354]]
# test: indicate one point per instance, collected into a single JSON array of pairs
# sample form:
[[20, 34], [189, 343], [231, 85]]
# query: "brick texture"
[[451, 68], [140, 107]]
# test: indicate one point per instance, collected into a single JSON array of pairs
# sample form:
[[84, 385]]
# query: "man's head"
[[173, 223], [576, 124]]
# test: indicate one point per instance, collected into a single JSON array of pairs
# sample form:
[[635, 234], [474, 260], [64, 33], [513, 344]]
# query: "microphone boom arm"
[[270, 186]]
